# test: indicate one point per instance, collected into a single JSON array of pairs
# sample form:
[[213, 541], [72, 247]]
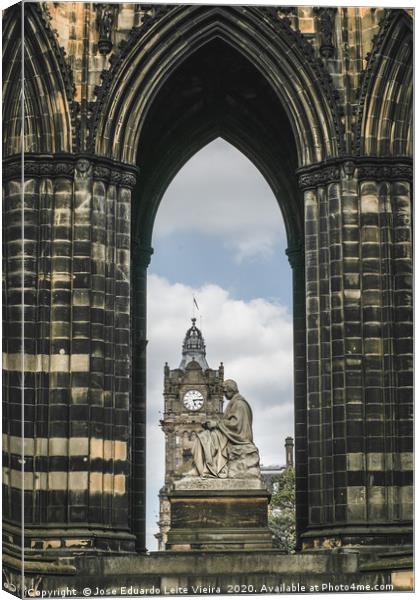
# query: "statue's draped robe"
[[228, 449]]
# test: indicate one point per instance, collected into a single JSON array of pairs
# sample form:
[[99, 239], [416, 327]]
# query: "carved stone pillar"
[[140, 262], [359, 331], [74, 264], [296, 257]]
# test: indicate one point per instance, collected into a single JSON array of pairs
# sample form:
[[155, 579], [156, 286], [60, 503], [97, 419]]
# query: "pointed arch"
[[47, 86], [283, 57], [188, 136], [386, 102]]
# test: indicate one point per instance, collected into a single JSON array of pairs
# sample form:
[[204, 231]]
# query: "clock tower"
[[193, 394]]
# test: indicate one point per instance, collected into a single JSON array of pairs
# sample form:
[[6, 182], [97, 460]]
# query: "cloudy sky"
[[219, 236]]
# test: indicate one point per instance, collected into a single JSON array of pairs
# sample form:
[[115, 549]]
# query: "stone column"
[[297, 261], [140, 262], [401, 237], [358, 311], [73, 272]]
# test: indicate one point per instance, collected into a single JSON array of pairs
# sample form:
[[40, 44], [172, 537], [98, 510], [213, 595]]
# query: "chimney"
[[289, 445]]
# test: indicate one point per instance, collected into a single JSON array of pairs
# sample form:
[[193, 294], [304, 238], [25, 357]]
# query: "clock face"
[[193, 400]]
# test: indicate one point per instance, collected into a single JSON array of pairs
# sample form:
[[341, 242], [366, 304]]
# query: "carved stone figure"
[[326, 18], [225, 449], [105, 18]]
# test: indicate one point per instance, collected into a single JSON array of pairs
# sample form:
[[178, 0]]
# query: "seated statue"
[[225, 448]]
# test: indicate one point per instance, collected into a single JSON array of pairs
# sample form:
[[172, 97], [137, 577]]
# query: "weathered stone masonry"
[[115, 103], [76, 346], [358, 266]]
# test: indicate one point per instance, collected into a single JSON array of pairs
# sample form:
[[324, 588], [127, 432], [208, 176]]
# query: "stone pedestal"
[[219, 514]]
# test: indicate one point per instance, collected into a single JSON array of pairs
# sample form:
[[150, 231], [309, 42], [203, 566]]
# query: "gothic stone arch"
[[386, 100], [46, 89], [92, 188]]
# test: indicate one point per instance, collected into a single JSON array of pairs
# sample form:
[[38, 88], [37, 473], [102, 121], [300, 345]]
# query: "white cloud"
[[232, 201], [254, 341]]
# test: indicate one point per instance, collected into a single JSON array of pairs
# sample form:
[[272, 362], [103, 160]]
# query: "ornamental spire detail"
[[194, 348]]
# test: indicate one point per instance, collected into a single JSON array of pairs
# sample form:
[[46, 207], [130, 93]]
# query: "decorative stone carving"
[[33, 168], [287, 10], [326, 18], [114, 176], [128, 180], [371, 58], [348, 168], [59, 52], [64, 67], [40, 166], [282, 25], [101, 173], [381, 172], [282, 12], [319, 176], [82, 165], [105, 18], [296, 38], [124, 47], [367, 168], [124, 179]]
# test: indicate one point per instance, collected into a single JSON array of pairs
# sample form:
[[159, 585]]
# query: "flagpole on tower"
[[195, 305]]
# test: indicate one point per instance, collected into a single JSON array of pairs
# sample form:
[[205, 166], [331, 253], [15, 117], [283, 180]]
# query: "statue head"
[[230, 388]]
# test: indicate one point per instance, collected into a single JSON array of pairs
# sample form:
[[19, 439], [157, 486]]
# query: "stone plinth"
[[255, 572], [219, 514]]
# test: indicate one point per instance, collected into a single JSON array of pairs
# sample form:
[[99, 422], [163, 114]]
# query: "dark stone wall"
[[69, 261], [358, 276]]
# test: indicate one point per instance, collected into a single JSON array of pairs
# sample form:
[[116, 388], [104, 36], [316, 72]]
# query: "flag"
[[195, 302]]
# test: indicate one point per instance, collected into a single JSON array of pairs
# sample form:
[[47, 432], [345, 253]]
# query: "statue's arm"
[[232, 422], [234, 419]]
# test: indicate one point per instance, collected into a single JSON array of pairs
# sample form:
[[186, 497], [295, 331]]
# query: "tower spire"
[[194, 347]]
